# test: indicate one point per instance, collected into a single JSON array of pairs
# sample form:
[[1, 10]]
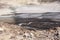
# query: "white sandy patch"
[[49, 7], [5, 11], [44, 7]]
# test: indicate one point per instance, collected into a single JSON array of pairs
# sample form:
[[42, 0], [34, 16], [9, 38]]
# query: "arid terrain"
[[19, 27], [27, 2], [15, 32], [28, 6]]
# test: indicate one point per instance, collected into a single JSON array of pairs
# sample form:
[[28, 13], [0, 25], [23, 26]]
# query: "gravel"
[[15, 32]]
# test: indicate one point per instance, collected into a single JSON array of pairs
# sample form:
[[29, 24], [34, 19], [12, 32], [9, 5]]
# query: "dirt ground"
[[15, 32]]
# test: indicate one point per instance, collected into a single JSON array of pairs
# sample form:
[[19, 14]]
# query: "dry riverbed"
[[15, 32]]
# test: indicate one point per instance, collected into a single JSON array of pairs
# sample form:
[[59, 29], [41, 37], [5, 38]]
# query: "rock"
[[27, 35], [1, 29]]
